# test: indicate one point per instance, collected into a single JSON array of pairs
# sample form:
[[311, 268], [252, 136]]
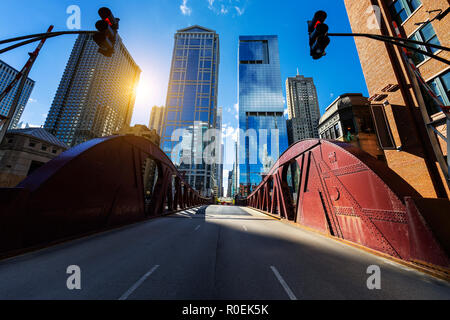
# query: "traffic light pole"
[[24, 76], [398, 42], [38, 37]]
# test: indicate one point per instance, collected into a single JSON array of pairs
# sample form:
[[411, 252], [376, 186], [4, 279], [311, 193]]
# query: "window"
[[427, 35], [440, 86], [332, 134], [254, 52], [32, 144], [337, 130], [402, 9], [382, 127]]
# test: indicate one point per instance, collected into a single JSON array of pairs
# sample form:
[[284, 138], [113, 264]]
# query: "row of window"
[[427, 35], [332, 133], [403, 9], [33, 144], [441, 87]]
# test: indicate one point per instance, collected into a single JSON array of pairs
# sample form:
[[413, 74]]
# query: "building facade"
[[303, 109], [349, 119], [191, 104], [263, 132], [7, 75], [25, 150], [230, 184], [157, 119], [219, 165], [96, 94], [402, 108]]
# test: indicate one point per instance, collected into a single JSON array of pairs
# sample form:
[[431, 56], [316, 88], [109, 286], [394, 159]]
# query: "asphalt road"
[[211, 253]]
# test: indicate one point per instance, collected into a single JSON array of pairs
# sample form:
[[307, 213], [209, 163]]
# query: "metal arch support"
[[346, 193], [94, 186]]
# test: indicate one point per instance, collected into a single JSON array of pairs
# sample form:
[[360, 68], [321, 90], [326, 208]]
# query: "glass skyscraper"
[[191, 104], [263, 132], [96, 95], [7, 75]]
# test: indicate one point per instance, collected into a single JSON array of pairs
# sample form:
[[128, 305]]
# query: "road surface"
[[211, 253]]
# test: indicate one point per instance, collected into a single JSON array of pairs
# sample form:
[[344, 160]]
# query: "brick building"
[[401, 114]]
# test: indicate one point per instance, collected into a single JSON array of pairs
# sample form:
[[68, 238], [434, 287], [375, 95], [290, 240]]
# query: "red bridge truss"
[[341, 191], [97, 185]]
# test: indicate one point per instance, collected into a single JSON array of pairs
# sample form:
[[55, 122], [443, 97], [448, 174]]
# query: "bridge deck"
[[211, 253]]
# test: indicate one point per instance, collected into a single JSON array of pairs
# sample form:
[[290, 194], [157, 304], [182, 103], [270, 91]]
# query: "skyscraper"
[[261, 109], [7, 75], [191, 103], [156, 119], [219, 166], [96, 94], [230, 184], [303, 109]]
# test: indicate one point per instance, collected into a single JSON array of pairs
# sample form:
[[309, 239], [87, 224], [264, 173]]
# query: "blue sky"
[[147, 28]]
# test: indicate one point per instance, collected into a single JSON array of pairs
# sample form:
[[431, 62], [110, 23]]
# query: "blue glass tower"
[[263, 132], [191, 104]]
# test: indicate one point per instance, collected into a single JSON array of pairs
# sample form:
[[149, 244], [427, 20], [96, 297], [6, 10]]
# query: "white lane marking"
[[198, 227], [245, 228], [138, 283], [283, 283]]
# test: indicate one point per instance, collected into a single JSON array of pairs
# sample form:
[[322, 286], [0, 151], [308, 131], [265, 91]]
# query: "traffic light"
[[318, 35], [107, 32]]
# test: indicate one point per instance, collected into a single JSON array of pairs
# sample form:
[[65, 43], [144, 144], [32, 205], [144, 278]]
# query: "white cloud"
[[232, 133], [240, 11], [31, 100], [223, 10], [224, 7], [185, 10], [236, 107]]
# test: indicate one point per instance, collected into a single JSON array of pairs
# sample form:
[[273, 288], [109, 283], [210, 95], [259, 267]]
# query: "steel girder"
[[343, 192]]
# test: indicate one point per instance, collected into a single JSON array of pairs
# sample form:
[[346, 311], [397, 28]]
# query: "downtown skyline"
[[333, 116], [147, 30]]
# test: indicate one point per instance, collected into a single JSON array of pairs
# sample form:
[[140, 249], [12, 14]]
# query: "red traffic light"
[[319, 18], [107, 32], [107, 16], [318, 38]]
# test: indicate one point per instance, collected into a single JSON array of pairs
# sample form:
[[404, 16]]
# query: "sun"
[[142, 89], [150, 91]]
